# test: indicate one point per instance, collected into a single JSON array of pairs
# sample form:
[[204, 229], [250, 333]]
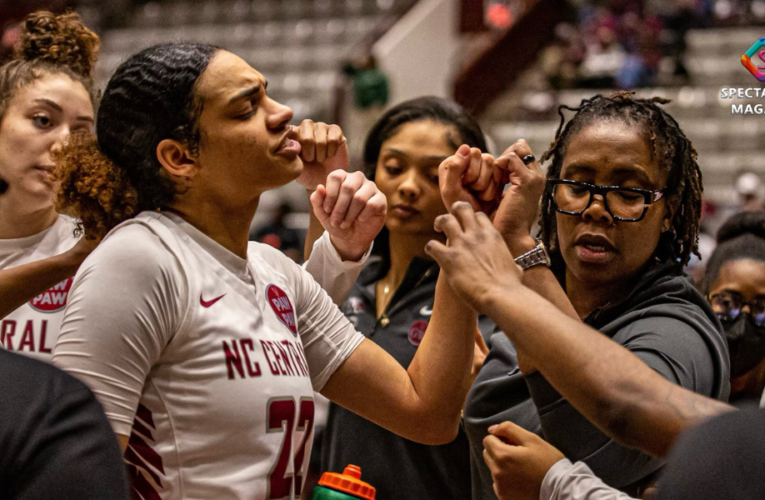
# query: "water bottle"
[[345, 486]]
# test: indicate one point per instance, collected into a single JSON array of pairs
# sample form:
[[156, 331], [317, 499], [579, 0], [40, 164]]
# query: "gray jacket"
[[664, 321]]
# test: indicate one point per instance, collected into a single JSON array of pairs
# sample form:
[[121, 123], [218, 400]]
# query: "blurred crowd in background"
[[600, 44]]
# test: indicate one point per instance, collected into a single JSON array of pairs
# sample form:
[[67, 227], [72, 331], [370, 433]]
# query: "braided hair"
[[670, 148], [151, 96]]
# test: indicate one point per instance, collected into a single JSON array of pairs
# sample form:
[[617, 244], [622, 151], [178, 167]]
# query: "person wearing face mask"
[[735, 287]]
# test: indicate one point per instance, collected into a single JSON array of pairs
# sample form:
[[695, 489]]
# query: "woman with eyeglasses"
[[620, 216], [735, 286]]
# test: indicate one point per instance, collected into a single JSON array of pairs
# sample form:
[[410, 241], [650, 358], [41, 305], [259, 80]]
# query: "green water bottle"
[[345, 486]]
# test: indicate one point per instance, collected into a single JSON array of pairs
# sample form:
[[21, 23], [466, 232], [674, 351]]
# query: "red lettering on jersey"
[[282, 307], [278, 358], [53, 300], [296, 357], [28, 338], [285, 357], [7, 331], [274, 367], [245, 344], [43, 334], [233, 359]]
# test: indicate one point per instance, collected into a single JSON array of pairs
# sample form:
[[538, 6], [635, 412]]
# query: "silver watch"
[[534, 257]]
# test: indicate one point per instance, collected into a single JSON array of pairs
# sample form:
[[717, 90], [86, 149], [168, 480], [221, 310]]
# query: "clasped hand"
[[478, 257], [348, 205]]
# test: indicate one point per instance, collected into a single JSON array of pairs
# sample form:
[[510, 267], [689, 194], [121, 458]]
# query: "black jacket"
[[55, 441], [397, 467]]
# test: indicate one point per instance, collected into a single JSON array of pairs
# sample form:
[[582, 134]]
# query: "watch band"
[[534, 257]]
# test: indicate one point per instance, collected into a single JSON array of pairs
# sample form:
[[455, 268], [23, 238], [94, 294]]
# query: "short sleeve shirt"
[[207, 361], [32, 329]]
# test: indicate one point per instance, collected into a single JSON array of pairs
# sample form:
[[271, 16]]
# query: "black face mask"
[[746, 343]]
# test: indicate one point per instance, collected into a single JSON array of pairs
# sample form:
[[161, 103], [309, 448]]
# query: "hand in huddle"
[[475, 261], [518, 461], [472, 177], [520, 203], [352, 210], [348, 205], [479, 179]]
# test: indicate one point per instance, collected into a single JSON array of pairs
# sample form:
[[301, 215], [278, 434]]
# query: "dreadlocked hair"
[[670, 147]]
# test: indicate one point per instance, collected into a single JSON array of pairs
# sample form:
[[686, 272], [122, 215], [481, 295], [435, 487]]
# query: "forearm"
[[541, 280], [334, 275], [614, 390], [423, 403], [567, 481], [440, 371], [579, 439], [21, 284]]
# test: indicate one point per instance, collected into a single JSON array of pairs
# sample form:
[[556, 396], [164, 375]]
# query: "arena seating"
[[727, 144], [299, 45]]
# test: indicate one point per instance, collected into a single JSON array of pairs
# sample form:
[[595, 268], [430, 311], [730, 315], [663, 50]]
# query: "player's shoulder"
[[265, 257], [258, 253], [67, 223], [137, 245]]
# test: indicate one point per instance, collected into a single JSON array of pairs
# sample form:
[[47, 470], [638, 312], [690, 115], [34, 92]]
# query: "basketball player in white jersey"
[[204, 351], [45, 93]]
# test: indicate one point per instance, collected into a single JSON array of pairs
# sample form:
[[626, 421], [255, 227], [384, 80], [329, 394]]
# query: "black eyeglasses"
[[728, 306], [622, 203]]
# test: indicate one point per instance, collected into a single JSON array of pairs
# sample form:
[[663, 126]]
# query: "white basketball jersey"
[[226, 409], [32, 329]]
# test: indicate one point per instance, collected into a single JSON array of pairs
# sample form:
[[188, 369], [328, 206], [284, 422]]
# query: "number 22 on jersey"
[[281, 418]]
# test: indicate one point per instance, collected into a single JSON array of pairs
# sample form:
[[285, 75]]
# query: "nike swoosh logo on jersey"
[[208, 303], [425, 311]]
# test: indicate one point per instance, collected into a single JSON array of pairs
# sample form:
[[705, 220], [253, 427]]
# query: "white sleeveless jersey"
[[32, 329], [208, 361]]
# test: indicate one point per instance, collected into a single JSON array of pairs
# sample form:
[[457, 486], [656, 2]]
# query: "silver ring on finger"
[[528, 159]]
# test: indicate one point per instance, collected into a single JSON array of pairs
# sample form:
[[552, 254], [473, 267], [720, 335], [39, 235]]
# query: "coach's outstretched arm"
[[615, 390]]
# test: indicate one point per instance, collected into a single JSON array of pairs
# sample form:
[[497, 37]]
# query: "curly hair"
[[92, 187], [152, 96], [50, 44], [670, 147]]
